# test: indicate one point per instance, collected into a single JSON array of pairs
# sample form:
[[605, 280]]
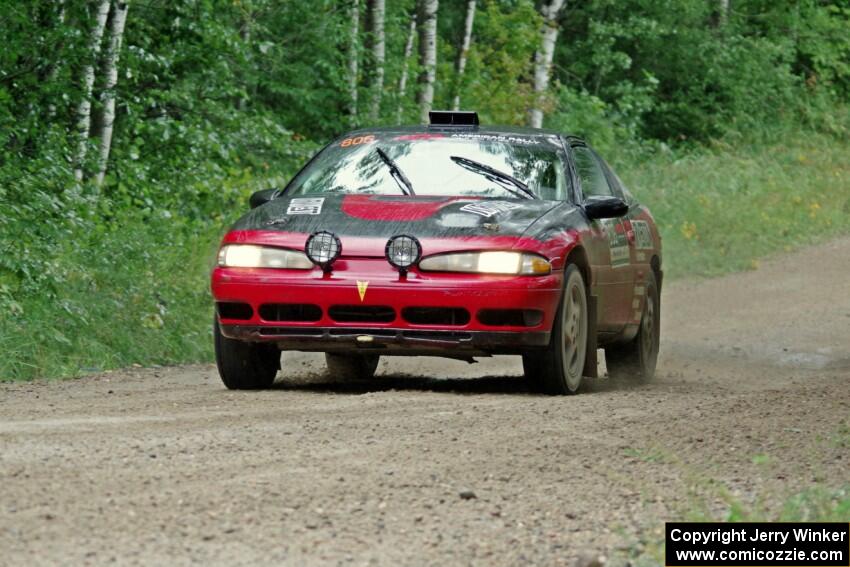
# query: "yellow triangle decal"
[[361, 289]]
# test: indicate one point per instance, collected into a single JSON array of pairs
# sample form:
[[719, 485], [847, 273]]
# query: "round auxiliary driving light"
[[323, 248], [403, 251]]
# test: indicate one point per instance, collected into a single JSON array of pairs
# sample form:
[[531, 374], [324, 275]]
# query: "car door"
[[639, 233], [609, 245]]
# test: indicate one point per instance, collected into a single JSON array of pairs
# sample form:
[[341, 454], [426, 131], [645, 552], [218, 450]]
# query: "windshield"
[[438, 164]]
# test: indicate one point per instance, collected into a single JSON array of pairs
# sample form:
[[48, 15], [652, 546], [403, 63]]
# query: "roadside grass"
[[711, 500], [723, 209], [137, 293], [814, 504]]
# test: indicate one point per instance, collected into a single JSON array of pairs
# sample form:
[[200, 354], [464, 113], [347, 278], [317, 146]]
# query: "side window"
[[616, 183], [593, 182]]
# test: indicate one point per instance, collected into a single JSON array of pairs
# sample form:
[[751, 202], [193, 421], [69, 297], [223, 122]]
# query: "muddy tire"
[[243, 365], [558, 369], [348, 367], [635, 361]]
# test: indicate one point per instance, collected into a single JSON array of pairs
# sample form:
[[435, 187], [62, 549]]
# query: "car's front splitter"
[[390, 341]]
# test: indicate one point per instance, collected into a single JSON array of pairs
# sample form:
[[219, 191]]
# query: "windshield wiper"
[[495, 175], [403, 182]]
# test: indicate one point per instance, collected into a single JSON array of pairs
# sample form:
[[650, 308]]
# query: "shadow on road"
[[483, 385], [516, 385]]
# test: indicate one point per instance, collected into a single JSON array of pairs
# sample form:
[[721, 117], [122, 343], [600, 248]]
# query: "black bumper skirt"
[[390, 341]]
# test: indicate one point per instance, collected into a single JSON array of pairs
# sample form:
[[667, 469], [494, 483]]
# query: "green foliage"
[[131, 293], [495, 83], [723, 209]]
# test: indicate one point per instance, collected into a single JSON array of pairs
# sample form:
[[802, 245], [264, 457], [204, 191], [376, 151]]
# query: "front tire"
[[243, 365], [636, 360], [351, 367], [558, 369]]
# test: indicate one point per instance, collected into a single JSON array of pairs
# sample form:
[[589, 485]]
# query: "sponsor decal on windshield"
[[419, 136], [489, 208], [308, 206], [497, 138]]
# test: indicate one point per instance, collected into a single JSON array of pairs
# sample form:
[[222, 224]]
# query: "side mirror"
[[605, 207], [262, 197]]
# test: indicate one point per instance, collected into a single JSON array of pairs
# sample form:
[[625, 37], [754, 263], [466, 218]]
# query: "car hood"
[[383, 216]]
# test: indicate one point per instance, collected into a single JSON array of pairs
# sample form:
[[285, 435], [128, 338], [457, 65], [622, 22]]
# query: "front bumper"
[[382, 287], [390, 341]]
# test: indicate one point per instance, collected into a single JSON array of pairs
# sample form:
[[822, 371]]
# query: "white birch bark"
[[54, 67], [84, 108], [405, 66], [245, 36], [116, 35], [376, 19], [723, 12], [543, 59], [464, 51], [354, 14], [427, 55]]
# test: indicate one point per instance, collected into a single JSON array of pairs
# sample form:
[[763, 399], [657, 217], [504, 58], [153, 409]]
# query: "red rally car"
[[450, 240]]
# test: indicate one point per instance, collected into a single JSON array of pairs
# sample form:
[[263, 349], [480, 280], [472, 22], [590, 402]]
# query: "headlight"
[[249, 256], [519, 263]]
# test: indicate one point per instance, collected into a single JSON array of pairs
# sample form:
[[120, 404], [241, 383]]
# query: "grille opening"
[[290, 312], [438, 335], [510, 317], [436, 315], [237, 311], [287, 332], [355, 332], [362, 313]]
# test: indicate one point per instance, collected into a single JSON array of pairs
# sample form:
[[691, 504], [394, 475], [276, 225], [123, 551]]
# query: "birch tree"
[[54, 66], [376, 21], [353, 40], [722, 12], [427, 19], [405, 66], [543, 59], [464, 51], [87, 83], [116, 35]]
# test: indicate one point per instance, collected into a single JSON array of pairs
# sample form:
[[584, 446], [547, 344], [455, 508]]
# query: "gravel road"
[[438, 462]]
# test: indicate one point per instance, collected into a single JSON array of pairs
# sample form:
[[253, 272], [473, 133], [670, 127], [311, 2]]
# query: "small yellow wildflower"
[[689, 231], [813, 209]]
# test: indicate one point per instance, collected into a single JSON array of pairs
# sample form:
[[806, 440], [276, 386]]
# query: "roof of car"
[[494, 130]]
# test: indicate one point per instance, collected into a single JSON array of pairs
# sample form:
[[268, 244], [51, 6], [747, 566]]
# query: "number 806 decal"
[[357, 140]]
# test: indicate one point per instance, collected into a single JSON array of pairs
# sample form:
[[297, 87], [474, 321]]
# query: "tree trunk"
[[722, 12], [116, 34], [353, 41], [543, 59], [376, 20], [427, 55], [464, 52], [53, 69], [402, 81], [87, 81], [245, 36]]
